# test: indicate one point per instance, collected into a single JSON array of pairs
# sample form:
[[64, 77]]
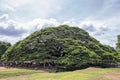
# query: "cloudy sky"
[[19, 18]]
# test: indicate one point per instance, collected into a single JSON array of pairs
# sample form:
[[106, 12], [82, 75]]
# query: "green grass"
[[73, 75], [15, 72]]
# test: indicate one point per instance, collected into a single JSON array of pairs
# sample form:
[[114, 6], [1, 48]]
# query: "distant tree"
[[3, 47], [118, 43], [68, 47], [118, 47]]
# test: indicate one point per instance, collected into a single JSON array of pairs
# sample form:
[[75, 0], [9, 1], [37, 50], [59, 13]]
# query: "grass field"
[[86, 74]]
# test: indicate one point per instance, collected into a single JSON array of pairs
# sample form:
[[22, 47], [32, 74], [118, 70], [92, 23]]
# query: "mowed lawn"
[[85, 74]]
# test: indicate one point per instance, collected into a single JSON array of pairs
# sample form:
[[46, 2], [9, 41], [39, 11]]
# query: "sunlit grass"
[[15, 72], [72, 75]]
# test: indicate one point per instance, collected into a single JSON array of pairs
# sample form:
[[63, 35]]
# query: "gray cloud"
[[3, 18], [105, 33], [11, 31], [90, 28], [102, 31]]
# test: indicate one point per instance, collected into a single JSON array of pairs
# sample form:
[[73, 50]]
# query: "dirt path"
[[115, 75], [3, 68], [93, 68]]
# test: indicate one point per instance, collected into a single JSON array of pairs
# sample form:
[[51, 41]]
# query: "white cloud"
[[10, 39], [3, 18], [5, 8], [9, 8], [16, 3], [105, 31], [111, 8], [29, 9], [13, 31], [72, 23], [32, 11]]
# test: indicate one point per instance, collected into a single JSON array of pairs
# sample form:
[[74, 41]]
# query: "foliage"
[[118, 43], [3, 47], [70, 47], [118, 47]]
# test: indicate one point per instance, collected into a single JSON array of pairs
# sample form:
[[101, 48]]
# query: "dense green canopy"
[[118, 46], [118, 43], [71, 47], [3, 47]]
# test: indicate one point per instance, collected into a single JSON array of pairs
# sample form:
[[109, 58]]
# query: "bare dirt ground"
[[3, 68], [93, 68], [115, 75], [112, 76]]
